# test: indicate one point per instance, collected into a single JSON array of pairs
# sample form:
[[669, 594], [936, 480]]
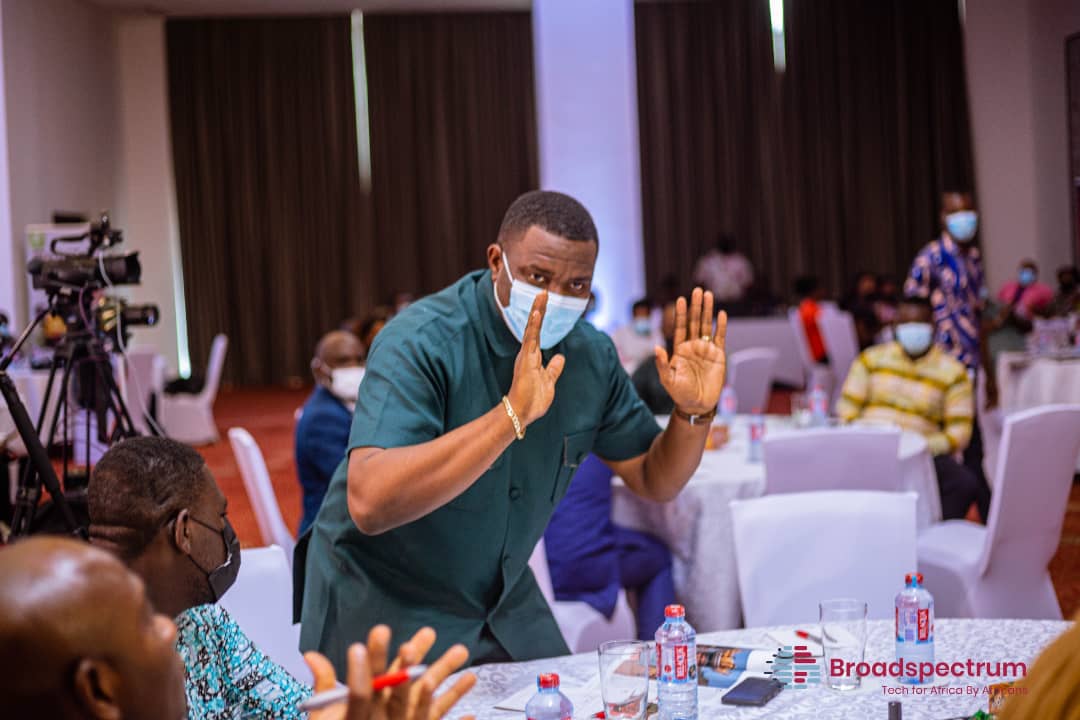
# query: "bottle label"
[[676, 665], [924, 625], [757, 431]]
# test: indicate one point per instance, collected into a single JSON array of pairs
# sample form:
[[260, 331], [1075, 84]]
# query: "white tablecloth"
[[697, 525], [771, 332], [989, 641], [1026, 381]]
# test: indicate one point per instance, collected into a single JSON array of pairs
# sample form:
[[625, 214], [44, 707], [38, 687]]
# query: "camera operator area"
[[542, 359]]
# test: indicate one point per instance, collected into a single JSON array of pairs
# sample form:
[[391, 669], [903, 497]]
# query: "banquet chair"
[[261, 603], [750, 372], [793, 551], [260, 491], [814, 374], [1000, 570], [583, 627], [838, 331], [841, 458], [146, 384], [190, 418]]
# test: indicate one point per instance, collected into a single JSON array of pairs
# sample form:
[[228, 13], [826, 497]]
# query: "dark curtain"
[[270, 207], [832, 167], [453, 138]]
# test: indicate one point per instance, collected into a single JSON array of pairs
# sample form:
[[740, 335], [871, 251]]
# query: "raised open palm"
[[533, 388], [694, 374]]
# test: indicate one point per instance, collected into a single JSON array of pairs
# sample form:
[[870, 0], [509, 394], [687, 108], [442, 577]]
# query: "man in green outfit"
[[478, 404]]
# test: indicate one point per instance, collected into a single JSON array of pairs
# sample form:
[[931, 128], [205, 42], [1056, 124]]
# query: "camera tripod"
[[80, 352]]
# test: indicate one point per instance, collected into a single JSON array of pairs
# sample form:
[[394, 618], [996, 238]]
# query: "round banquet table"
[[696, 526], [989, 641]]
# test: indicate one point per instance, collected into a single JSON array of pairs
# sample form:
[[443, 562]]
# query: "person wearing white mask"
[[479, 403], [636, 341], [322, 431], [914, 384]]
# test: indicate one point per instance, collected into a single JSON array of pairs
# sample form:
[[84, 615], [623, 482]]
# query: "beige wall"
[[60, 99], [146, 197], [1016, 83]]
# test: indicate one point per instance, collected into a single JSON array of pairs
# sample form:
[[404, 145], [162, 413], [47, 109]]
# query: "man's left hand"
[[694, 374]]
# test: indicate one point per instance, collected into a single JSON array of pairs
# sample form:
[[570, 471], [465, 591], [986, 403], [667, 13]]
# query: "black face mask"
[[224, 575]]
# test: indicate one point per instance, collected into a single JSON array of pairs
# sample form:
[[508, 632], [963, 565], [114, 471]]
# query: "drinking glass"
[[843, 636], [624, 679], [800, 409]]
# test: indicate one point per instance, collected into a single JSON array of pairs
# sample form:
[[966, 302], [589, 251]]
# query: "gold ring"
[[706, 338]]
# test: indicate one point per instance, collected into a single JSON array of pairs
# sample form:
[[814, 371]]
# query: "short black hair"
[[918, 301], [725, 243], [806, 284], [137, 487], [642, 304], [554, 212]]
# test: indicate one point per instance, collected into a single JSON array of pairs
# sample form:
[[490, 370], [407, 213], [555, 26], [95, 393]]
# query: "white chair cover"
[[793, 551], [260, 491], [842, 458], [1000, 570], [750, 372], [190, 418], [838, 332]]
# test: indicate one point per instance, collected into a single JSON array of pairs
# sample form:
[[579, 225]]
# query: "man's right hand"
[[533, 389]]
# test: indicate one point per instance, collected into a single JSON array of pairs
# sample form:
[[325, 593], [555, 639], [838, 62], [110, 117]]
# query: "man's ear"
[[97, 689], [495, 259], [182, 532]]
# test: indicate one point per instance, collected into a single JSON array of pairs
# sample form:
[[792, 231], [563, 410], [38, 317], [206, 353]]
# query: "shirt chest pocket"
[[575, 448]]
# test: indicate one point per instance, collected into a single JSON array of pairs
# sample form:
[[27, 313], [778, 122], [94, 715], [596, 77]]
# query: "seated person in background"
[[590, 557], [809, 293], [646, 378], [635, 342], [81, 640], [1067, 300], [914, 384], [860, 303], [1026, 295], [886, 301], [370, 326], [724, 271], [323, 429]]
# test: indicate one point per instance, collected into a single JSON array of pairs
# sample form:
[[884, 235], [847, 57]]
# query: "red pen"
[[807, 636], [340, 694]]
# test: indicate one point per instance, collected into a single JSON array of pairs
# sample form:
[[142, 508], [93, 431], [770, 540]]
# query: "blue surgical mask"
[[915, 337], [643, 326], [1026, 277], [962, 225], [559, 319]]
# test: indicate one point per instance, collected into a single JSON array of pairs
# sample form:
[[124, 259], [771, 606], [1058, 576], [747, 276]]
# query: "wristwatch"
[[702, 419]]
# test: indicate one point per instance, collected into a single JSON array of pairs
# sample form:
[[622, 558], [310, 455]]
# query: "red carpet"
[[268, 416]]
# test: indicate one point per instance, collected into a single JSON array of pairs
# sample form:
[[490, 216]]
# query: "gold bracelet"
[[518, 430]]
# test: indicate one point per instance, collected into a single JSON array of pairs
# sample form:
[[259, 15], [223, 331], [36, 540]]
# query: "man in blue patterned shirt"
[[949, 272]]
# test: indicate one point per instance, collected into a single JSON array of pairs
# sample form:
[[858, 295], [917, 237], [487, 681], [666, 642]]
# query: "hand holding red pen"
[[408, 701]]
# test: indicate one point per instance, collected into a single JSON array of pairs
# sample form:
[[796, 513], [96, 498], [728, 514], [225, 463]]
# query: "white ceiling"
[[309, 7]]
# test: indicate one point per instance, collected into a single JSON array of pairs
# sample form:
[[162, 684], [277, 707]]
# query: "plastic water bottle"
[[548, 703], [914, 628], [729, 405], [676, 667], [819, 407], [757, 435]]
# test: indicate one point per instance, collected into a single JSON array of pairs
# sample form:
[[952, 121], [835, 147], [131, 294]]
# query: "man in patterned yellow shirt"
[[916, 385]]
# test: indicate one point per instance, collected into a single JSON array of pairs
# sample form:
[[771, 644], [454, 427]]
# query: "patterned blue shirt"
[[227, 677], [953, 280]]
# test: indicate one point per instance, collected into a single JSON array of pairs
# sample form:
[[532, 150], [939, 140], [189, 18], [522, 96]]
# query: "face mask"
[[224, 575], [962, 225], [642, 326], [562, 311], [1026, 277], [914, 337], [345, 384]]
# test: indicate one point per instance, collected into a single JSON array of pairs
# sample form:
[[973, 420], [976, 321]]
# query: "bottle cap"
[[674, 611], [916, 576], [895, 710], [547, 681]]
